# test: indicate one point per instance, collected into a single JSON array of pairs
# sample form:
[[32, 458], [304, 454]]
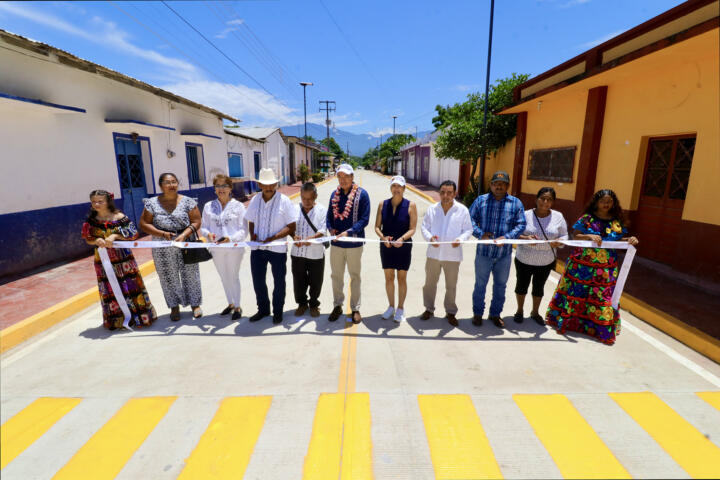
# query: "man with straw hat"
[[271, 217]]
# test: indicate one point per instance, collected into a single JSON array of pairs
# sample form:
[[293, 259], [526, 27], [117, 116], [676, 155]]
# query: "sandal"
[[197, 312], [538, 319], [175, 315], [518, 317]]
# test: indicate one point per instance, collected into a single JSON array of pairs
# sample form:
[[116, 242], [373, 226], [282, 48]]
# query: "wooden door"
[[662, 197]]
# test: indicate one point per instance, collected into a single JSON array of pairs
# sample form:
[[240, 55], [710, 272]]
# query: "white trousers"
[[227, 262]]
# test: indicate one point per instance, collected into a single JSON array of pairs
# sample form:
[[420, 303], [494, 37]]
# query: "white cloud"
[[106, 34], [233, 28], [467, 88], [572, 3], [349, 123], [385, 132], [241, 102]]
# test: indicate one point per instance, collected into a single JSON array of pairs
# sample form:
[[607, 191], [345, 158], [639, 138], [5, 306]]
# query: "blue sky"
[[374, 58]]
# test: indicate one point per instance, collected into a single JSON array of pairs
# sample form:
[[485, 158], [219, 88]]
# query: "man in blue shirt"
[[347, 216], [495, 215]]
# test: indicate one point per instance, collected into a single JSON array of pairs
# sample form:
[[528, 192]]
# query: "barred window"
[[553, 164]]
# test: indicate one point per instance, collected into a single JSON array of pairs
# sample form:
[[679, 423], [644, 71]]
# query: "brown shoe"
[[314, 312], [427, 315], [335, 314], [477, 320], [451, 319], [300, 310], [498, 322], [356, 317]]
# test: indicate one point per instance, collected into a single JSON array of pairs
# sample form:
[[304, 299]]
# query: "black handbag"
[[307, 219], [194, 255]]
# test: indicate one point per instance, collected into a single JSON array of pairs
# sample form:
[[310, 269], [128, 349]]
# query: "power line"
[[352, 47], [191, 59], [220, 51]]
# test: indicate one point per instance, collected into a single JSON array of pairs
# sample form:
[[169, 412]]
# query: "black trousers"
[[259, 260], [307, 273], [538, 274]]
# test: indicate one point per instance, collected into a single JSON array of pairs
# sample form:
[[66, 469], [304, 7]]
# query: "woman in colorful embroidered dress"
[[104, 225], [583, 299]]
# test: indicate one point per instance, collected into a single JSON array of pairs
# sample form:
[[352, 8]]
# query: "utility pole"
[[487, 87], [327, 111], [347, 148], [394, 117], [415, 132], [304, 85]]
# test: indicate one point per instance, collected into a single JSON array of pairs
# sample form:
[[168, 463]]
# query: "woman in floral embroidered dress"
[[104, 225], [583, 299]]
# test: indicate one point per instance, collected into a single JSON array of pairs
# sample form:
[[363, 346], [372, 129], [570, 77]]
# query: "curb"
[[412, 189], [26, 329], [697, 340]]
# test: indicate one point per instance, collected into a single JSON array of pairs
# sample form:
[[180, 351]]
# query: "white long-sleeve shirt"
[[317, 216], [226, 222], [542, 253], [455, 224], [270, 217]]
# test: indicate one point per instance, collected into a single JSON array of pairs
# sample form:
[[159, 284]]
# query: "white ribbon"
[[115, 286], [109, 272]]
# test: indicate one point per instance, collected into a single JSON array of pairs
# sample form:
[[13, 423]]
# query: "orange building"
[[639, 114]]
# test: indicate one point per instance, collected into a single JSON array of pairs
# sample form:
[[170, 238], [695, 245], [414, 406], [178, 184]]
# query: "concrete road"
[[210, 398]]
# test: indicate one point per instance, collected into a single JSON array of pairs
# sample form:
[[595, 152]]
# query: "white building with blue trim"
[[69, 126]]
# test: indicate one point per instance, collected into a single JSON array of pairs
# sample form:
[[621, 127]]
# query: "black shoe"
[[258, 316], [227, 310], [477, 320], [236, 315], [497, 321], [452, 320], [518, 317], [277, 318], [335, 314], [538, 319]]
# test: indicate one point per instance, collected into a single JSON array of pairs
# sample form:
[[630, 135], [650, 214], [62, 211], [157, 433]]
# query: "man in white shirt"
[[271, 217], [446, 221], [308, 259]]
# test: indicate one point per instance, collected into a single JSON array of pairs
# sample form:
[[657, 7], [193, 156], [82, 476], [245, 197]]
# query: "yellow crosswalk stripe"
[[576, 449], [21, 431], [459, 448], [713, 398], [105, 454], [697, 455], [340, 446], [225, 448]]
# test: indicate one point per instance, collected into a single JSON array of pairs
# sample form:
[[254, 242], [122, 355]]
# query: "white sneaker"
[[399, 315], [388, 313]]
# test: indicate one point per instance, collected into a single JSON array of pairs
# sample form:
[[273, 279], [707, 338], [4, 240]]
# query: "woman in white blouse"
[[223, 221], [534, 262]]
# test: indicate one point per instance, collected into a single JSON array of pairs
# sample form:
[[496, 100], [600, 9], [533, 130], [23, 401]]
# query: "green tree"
[[391, 148], [333, 147], [461, 125]]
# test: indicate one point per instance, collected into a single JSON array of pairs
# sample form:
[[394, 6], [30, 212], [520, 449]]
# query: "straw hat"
[[267, 176]]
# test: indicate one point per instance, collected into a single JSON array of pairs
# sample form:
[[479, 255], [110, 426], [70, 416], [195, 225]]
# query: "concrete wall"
[[52, 160]]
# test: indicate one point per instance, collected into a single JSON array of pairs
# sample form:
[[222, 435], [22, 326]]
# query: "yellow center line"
[[713, 398]]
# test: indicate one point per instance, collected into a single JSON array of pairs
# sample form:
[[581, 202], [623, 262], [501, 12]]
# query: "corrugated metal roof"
[[67, 58], [260, 133]]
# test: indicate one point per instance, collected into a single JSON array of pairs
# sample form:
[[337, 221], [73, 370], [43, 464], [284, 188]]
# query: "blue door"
[[132, 177], [256, 161]]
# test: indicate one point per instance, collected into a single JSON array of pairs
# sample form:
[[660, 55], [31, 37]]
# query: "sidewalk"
[[44, 287]]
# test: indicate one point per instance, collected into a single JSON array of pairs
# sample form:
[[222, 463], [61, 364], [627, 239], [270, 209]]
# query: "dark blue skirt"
[[396, 258]]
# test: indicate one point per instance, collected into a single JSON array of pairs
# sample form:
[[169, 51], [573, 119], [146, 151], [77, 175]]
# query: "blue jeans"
[[500, 268], [259, 260]]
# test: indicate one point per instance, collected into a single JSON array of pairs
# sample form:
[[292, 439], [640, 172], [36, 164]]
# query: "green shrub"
[[303, 173], [318, 177]]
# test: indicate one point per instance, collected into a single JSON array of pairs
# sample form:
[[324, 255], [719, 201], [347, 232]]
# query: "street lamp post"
[[304, 85], [394, 117], [487, 87]]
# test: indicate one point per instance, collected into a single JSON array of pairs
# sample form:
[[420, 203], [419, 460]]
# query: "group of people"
[[581, 302]]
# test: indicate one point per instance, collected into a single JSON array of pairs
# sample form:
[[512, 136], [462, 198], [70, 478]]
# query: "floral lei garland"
[[348, 204]]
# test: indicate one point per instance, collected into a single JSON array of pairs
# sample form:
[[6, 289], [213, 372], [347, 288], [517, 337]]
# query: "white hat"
[[398, 179], [345, 168], [267, 176]]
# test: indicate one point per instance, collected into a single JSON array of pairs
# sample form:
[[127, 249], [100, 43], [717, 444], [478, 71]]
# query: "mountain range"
[[359, 143]]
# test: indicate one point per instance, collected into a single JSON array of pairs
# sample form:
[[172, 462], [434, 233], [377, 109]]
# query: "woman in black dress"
[[395, 225]]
